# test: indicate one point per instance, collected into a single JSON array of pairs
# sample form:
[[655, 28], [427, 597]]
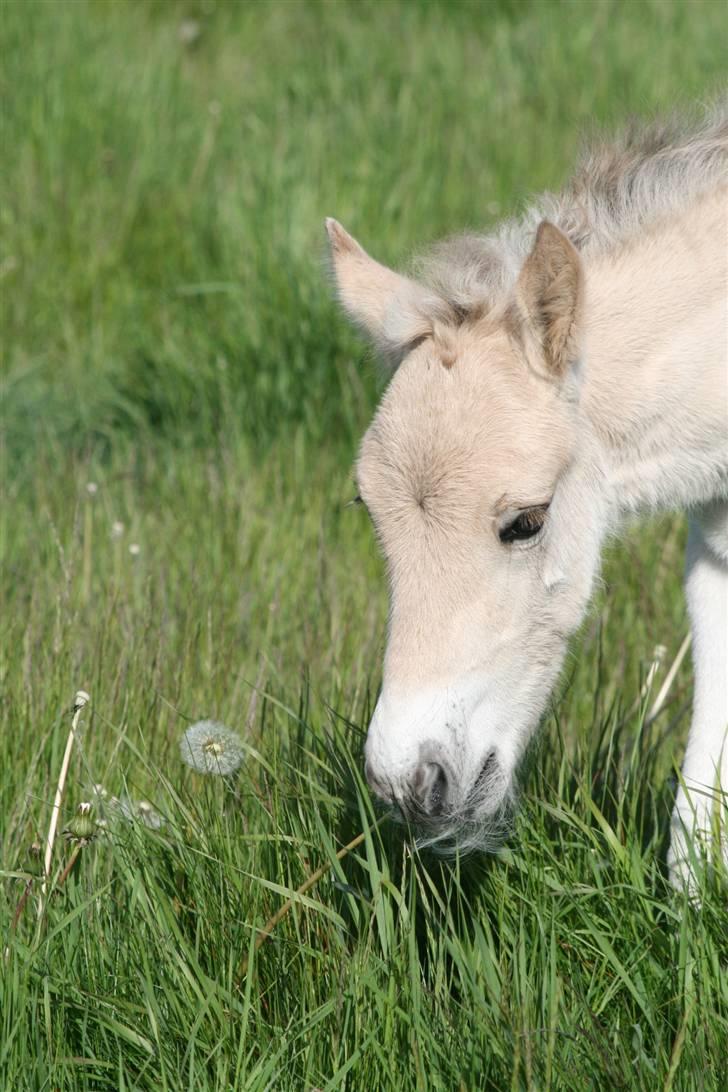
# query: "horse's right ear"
[[393, 310], [548, 297]]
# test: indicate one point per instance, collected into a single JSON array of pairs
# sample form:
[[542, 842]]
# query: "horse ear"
[[391, 309], [548, 296]]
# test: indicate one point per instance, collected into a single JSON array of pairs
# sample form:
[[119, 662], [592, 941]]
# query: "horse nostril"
[[488, 770], [430, 788]]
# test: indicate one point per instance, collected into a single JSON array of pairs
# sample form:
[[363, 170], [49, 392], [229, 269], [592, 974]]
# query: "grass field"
[[181, 406]]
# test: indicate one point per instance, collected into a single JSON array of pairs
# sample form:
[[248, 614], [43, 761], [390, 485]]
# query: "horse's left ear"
[[394, 311], [548, 298]]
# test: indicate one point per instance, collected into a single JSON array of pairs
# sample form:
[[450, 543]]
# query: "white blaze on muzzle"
[[434, 752]]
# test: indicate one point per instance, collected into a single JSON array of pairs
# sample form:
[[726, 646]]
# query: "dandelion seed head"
[[135, 549], [189, 31], [117, 529], [92, 489], [211, 748], [81, 699]]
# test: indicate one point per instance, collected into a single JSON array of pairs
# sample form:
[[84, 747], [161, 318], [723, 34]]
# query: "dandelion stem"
[[307, 884], [80, 700], [71, 862]]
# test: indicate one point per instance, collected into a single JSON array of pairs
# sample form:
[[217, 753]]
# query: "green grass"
[[168, 335]]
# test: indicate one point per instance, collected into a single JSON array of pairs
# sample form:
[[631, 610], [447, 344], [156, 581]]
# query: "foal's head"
[[470, 474]]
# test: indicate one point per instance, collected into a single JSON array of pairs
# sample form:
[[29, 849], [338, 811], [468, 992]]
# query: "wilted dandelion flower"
[[82, 827], [210, 748]]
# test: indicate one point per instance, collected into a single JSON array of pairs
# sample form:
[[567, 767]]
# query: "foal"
[[548, 379]]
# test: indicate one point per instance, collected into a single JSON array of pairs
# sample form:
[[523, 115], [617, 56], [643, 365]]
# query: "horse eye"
[[527, 524]]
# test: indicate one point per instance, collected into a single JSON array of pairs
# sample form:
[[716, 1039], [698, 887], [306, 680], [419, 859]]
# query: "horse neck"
[[655, 359]]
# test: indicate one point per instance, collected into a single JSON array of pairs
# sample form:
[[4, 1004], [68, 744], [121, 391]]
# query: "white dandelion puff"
[[81, 699], [135, 549], [141, 812], [149, 816], [117, 529], [189, 31], [211, 748]]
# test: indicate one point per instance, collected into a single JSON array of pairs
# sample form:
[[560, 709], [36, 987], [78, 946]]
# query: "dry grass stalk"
[[81, 699], [669, 680], [308, 883]]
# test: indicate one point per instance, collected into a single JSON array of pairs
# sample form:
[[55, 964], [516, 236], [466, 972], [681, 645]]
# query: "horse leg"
[[701, 798]]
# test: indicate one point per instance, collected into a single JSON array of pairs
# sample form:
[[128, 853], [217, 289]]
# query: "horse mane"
[[620, 188]]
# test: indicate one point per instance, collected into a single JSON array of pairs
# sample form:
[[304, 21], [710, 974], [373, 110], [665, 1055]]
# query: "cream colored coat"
[[547, 382]]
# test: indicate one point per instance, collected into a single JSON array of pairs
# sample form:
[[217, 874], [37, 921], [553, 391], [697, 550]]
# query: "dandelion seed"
[[210, 748], [135, 549], [117, 529], [92, 489]]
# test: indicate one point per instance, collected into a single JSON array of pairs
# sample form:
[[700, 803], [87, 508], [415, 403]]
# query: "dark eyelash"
[[525, 526]]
